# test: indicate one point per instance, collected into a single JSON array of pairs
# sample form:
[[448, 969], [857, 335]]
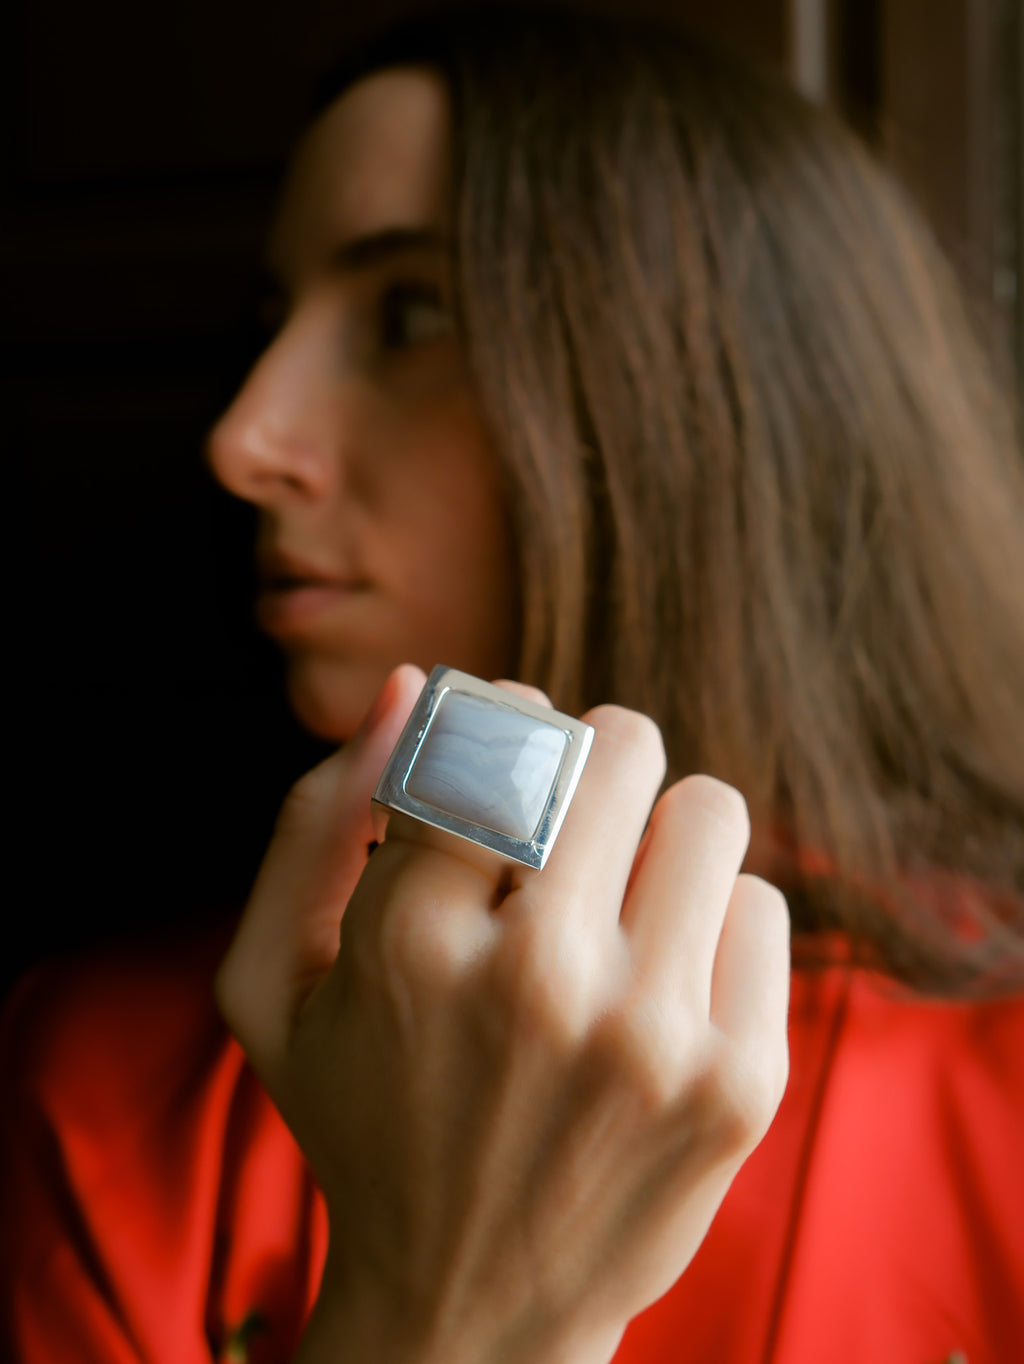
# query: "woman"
[[608, 366]]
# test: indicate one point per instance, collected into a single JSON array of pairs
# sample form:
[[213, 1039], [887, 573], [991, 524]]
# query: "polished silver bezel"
[[391, 793]]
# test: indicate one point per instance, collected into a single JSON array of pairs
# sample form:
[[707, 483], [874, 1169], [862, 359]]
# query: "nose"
[[274, 442]]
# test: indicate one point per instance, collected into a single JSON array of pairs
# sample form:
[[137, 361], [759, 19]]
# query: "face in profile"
[[383, 535]]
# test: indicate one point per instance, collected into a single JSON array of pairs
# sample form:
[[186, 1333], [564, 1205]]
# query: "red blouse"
[[155, 1208]]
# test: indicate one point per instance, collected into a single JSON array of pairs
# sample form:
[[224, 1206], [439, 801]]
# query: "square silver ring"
[[480, 763]]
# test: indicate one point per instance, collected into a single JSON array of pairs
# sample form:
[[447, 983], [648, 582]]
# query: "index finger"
[[288, 936]]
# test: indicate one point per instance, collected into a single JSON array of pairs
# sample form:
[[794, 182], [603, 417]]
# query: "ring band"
[[480, 763]]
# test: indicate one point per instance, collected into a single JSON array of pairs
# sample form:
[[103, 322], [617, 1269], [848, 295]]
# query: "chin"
[[330, 702], [325, 712]]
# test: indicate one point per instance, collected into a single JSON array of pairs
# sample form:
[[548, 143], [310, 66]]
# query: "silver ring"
[[482, 764]]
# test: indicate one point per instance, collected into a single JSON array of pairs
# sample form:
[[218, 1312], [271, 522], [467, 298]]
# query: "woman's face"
[[383, 536]]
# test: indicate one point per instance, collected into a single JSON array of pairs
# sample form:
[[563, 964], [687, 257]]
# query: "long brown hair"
[[765, 487]]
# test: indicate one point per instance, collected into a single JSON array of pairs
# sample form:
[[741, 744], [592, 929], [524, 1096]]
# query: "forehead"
[[378, 158]]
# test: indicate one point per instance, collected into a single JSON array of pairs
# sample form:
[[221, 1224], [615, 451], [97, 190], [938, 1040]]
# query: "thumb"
[[288, 937]]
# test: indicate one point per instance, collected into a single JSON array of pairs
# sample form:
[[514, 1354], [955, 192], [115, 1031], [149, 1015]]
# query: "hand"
[[524, 1094]]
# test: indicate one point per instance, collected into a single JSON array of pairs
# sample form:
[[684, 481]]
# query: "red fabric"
[[152, 1198]]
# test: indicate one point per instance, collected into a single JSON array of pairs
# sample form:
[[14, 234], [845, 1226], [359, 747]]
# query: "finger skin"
[[523, 1100], [680, 891], [525, 691], [590, 865], [750, 992], [288, 936]]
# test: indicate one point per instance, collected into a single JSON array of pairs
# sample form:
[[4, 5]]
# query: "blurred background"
[[144, 147]]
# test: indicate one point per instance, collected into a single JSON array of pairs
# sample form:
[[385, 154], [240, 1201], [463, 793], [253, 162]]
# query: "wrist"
[[359, 1328], [356, 1324]]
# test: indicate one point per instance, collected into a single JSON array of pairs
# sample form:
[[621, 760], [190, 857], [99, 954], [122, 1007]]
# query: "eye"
[[412, 315]]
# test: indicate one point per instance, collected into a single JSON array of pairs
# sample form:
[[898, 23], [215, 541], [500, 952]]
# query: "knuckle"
[[525, 691], [241, 998], [394, 933], [419, 944], [406, 942], [645, 1055], [629, 731], [546, 982], [743, 1093], [308, 797], [229, 992], [773, 906], [713, 797]]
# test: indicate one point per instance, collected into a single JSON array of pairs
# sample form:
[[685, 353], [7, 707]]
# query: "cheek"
[[468, 574], [473, 517]]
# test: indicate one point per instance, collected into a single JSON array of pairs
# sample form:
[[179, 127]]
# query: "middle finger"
[[589, 867]]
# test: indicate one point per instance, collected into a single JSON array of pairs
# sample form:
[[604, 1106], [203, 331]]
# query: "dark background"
[[144, 146]]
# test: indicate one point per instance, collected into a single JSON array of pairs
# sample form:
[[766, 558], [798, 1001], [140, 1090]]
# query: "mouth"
[[294, 595]]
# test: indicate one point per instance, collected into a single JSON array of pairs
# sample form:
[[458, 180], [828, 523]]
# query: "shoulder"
[[77, 1033], [146, 1179], [98, 1054]]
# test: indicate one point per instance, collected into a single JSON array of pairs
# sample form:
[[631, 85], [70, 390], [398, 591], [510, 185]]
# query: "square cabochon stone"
[[487, 764]]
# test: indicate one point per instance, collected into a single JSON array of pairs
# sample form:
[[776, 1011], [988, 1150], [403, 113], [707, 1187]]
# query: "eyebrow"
[[377, 248]]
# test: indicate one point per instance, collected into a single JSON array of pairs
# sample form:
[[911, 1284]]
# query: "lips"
[[296, 593], [279, 567]]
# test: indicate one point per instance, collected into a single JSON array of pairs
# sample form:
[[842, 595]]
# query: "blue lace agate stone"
[[488, 764]]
